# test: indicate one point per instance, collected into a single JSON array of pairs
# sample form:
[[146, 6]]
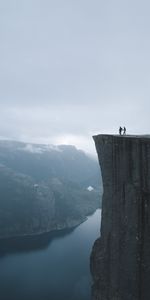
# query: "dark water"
[[50, 267]]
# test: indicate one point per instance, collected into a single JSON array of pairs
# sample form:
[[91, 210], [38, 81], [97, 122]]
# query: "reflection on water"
[[49, 267], [30, 243]]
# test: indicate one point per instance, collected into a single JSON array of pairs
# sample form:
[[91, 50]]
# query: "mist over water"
[[50, 267]]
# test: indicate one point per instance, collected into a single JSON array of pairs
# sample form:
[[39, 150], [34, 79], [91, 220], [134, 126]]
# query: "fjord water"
[[50, 267]]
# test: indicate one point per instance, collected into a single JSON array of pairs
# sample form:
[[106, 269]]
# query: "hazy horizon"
[[73, 69]]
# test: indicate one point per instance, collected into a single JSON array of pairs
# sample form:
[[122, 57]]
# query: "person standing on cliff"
[[120, 130], [124, 130]]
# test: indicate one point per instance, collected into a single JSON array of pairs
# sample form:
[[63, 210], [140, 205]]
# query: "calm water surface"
[[50, 267]]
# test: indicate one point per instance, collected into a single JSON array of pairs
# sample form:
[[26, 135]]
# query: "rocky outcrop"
[[120, 260]]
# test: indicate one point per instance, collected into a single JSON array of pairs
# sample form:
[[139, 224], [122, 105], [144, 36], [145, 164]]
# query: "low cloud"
[[72, 69]]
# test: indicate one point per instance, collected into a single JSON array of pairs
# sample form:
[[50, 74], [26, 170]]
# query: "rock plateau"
[[120, 260]]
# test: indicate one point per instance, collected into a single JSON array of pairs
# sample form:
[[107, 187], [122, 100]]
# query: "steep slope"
[[40, 190], [47, 161], [120, 262], [24, 209]]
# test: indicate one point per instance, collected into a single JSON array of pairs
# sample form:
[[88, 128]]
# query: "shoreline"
[[42, 233]]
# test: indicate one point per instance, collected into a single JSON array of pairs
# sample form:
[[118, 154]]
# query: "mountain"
[[45, 187]]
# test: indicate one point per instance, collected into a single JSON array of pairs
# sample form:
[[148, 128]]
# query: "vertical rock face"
[[120, 260]]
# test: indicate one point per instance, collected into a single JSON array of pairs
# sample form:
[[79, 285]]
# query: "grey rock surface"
[[120, 260]]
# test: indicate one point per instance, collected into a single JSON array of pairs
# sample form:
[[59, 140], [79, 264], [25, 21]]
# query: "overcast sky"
[[73, 68]]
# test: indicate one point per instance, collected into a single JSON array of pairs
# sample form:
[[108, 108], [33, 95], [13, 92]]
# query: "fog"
[[72, 69]]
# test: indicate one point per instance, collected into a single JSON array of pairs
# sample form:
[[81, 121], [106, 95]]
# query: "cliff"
[[120, 260]]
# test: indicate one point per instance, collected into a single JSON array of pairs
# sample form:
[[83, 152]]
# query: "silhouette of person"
[[124, 130], [120, 130]]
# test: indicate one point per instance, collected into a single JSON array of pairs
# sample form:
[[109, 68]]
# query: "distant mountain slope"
[[43, 188], [65, 162]]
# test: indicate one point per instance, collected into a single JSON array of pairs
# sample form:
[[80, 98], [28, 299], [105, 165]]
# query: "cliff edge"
[[120, 259]]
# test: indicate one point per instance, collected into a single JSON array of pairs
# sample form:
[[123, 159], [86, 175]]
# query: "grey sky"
[[73, 68]]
